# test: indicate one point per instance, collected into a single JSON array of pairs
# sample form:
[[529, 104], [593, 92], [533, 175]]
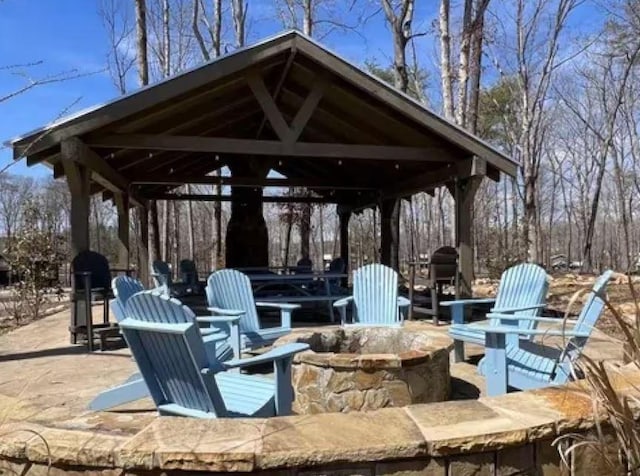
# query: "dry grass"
[[615, 414]]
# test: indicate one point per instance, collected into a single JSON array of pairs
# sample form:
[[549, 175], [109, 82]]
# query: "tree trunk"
[[141, 42], [307, 24], [446, 75], [287, 240], [190, 226], [166, 250], [143, 75], [239, 14], [400, 23], [305, 231]]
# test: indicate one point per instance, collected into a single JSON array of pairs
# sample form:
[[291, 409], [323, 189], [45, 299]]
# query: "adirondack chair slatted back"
[[123, 288], [522, 285], [171, 356], [593, 307], [163, 274], [189, 272], [231, 289], [375, 295]]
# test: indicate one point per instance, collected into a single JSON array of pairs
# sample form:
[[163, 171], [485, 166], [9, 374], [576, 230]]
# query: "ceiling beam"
[[246, 182], [228, 198], [219, 145], [462, 169]]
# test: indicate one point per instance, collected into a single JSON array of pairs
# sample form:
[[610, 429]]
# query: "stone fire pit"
[[366, 368]]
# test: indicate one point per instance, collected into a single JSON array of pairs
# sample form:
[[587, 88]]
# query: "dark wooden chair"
[[443, 267], [91, 282]]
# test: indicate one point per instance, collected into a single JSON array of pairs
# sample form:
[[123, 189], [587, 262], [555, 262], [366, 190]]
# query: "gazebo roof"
[[286, 104]]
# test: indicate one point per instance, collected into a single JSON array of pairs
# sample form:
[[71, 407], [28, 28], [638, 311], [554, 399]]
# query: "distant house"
[[5, 272]]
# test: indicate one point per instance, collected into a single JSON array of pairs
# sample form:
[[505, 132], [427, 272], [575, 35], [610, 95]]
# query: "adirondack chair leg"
[[129, 391], [457, 313], [284, 388], [236, 342], [285, 318], [496, 364], [458, 351], [343, 315]]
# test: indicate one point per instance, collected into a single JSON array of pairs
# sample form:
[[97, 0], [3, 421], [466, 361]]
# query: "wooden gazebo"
[[286, 104]]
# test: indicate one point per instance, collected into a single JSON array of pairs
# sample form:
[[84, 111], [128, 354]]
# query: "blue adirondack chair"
[[183, 381], [229, 293], [219, 345], [535, 365], [522, 292], [123, 288], [375, 300]]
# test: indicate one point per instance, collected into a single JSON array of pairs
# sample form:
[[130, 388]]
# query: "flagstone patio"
[[46, 384]]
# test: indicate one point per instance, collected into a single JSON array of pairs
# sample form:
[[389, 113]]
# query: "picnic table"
[[297, 287]]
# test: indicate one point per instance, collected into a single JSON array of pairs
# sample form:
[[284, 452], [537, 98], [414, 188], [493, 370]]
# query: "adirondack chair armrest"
[[346, 300], [513, 317], [530, 332], [277, 353], [341, 306], [457, 307], [278, 305], [403, 301], [285, 311], [218, 319], [508, 310], [214, 336], [226, 312], [467, 302]]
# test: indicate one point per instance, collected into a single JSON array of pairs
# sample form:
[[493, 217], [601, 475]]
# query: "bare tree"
[[239, 14], [119, 27], [399, 16]]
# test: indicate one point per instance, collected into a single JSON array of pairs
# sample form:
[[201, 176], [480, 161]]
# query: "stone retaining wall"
[[505, 435]]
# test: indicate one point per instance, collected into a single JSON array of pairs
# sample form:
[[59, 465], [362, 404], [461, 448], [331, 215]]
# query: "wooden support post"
[[464, 191], [143, 246], [343, 217], [390, 232], [122, 205], [78, 182]]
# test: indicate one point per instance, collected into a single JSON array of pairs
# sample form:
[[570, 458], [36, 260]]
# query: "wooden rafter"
[[77, 151], [466, 168], [228, 198], [269, 106], [246, 182], [271, 148], [288, 134]]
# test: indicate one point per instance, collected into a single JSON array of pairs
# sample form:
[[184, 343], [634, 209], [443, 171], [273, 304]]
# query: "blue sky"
[[67, 37]]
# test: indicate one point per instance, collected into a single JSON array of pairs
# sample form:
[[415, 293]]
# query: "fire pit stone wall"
[[366, 368]]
